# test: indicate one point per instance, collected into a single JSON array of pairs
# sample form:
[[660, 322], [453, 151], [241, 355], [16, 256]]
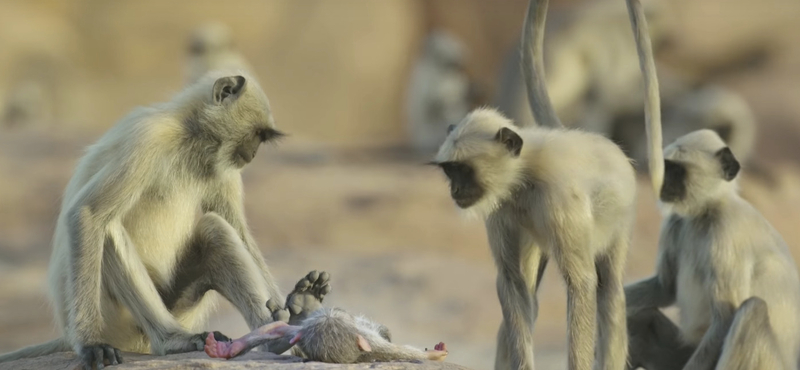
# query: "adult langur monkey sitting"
[[547, 193], [153, 218], [720, 261]]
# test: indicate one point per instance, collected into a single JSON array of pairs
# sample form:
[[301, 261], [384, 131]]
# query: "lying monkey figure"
[[323, 334]]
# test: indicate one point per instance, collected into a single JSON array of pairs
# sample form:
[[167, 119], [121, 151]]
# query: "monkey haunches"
[[321, 334]]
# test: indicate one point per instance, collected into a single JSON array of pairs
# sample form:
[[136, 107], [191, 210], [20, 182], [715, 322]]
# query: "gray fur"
[[720, 261], [566, 196], [153, 219]]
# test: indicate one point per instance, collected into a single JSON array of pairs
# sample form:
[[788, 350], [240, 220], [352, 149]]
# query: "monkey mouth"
[[466, 201]]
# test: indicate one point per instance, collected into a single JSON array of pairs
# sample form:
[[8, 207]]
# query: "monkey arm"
[[229, 204], [655, 292], [729, 285], [105, 197]]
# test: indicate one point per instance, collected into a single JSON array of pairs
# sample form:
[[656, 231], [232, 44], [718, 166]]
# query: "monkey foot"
[[263, 335], [307, 296], [278, 313], [438, 353]]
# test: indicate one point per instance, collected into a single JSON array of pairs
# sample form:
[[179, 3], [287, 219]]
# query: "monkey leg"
[[751, 343], [612, 339], [307, 296], [517, 289], [127, 279], [655, 342], [216, 259], [572, 252]]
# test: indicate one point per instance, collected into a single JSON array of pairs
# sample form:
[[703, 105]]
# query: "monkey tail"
[[652, 102], [46, 348], [532, 49]]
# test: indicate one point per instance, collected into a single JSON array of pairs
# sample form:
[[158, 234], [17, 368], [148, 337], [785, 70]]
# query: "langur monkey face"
[[697, 165], [476, 157], [241, 118]]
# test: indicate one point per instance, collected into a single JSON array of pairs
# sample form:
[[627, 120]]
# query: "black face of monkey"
[[248, 147], [464, 187], [674, 187]]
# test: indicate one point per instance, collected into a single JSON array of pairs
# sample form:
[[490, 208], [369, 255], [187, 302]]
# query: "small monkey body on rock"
[[720, 261], [324, 334], [153, 219], [547, 193]]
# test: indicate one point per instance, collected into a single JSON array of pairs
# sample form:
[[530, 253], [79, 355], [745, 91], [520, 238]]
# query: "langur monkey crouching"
[[720, 261], [547, 193], [153, 218]]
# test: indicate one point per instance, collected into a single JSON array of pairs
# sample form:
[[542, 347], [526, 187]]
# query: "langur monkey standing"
[[153, 218], [547, 193], [720, 261]]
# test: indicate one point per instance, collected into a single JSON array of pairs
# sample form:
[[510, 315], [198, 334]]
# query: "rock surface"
[[199, 360]]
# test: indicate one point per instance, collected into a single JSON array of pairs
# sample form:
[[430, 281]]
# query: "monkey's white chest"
[[693, 300], [160, 225]]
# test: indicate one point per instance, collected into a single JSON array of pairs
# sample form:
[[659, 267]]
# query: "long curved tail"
[[532, 49], [652, 102], [46, 348]]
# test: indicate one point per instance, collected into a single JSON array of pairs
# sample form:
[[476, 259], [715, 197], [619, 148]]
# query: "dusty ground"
[[395, 245]]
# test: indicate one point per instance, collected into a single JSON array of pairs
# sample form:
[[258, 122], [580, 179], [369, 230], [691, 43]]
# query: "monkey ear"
[[510, 139], [730, 166], [363, 344], [228, 88]]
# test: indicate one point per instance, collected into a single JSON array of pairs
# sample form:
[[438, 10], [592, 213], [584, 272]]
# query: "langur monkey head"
[[698, 169], [333, 335], [481, 159], [231, 114]]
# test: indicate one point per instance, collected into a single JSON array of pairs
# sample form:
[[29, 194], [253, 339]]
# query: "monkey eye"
[[269, 134]]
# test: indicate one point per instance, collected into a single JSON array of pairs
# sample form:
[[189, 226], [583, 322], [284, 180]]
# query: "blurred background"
[[365, 88]]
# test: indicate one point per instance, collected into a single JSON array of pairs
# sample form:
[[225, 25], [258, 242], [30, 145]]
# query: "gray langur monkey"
[[323, 334], [211, 47], [438, 92], [153, 218], [720, 261], [547, 193]]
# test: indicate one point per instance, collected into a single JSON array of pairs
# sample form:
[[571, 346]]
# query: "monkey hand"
[[438, 353], [98, 355]]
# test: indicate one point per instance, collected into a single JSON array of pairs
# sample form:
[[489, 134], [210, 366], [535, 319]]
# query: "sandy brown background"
[[335, 72]]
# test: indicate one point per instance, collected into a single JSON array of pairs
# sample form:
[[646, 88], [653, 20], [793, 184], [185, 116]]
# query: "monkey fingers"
[[438, 353], [98, 355], [271, 334]]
